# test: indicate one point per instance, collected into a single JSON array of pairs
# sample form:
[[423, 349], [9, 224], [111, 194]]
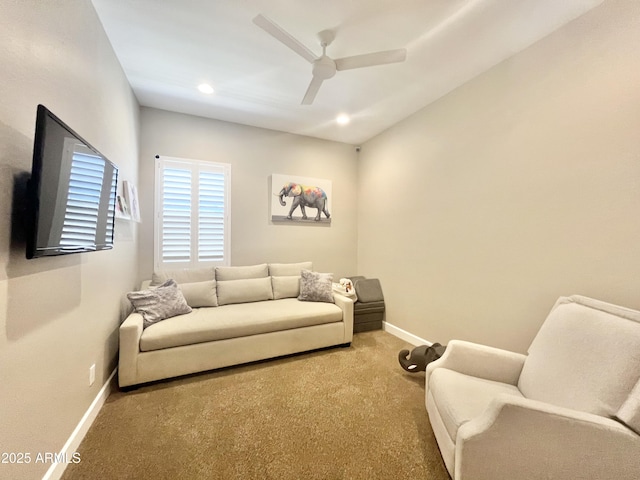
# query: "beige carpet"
[[341, 413]]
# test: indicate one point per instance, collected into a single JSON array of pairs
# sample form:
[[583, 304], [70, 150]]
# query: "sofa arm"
[[522, 438], [479, 361], [130, 333], [346, 305]]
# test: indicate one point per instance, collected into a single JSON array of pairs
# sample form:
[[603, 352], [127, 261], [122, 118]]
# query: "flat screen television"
[[71, 193]]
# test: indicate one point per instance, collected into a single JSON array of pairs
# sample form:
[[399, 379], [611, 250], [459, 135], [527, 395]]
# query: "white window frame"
[[195, 167]]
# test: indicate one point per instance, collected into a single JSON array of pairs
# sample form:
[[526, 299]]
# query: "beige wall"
[[478, 211], [255, 154], [57, 315]]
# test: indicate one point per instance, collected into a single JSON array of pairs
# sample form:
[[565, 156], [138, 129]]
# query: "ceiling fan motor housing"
[[324, 68]]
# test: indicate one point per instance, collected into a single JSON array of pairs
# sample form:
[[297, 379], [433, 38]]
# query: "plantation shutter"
[[83, 200], [192, 215], [176, 215], [211, 216]]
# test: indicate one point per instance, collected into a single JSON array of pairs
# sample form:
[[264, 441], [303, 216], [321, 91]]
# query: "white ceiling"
[[167, 48]]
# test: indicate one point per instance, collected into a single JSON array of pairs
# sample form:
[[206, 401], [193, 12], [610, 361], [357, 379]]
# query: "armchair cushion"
[[572, 358]]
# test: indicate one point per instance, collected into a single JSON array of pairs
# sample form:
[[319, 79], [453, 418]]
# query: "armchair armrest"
[[346, 305], [515, 436], [479, 361], [130, 333]]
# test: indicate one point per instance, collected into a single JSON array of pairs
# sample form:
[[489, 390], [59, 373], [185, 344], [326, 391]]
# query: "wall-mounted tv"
[[71, 193]]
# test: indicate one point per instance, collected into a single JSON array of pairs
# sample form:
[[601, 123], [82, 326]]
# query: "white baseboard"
[[57, 469], [404, 335]]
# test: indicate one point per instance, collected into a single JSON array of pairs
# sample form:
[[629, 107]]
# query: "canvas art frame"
[[127, 206], [122, 210], [130, 193], [307, 200]]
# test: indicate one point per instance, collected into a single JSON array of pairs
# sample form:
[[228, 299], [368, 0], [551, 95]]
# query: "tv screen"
[[72, 192]]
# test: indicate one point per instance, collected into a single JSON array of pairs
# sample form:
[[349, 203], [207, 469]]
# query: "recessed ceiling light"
[[343, 119], [205, 88]]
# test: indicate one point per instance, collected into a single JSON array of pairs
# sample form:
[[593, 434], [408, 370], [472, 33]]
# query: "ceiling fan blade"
[[312, 91], [371, 59], [278, 33]]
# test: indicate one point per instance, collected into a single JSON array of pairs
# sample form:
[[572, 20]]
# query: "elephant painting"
[[304, 196]]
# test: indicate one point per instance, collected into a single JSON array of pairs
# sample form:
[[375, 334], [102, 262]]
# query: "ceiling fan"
[[323, 66]]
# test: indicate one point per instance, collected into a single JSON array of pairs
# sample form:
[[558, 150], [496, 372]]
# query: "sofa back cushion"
[[240, 273], [184, 275], [244, 290], [286, 286], [289, 269], [585, 357], [285, 278], [200, 294]]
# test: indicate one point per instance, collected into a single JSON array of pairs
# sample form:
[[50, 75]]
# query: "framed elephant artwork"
[[300, 199]]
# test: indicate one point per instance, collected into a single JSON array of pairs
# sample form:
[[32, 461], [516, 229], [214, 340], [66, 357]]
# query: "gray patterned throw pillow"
[[316, 287], [157, 304]]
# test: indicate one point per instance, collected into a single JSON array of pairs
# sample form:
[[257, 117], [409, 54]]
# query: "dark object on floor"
[[368, 310], [420, 357]]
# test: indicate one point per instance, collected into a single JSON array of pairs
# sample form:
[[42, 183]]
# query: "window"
[[191, 213]]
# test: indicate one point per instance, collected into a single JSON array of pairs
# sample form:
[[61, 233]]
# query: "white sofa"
[[570, 409], [258, 316]]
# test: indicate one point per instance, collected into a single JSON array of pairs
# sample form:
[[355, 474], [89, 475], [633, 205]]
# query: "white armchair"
[[570, 409]]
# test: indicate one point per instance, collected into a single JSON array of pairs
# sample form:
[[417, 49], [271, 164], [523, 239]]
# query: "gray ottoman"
[[368, 310]]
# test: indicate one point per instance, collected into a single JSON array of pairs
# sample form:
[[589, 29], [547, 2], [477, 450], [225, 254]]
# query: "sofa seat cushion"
[[238, 320], [460, 398]]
